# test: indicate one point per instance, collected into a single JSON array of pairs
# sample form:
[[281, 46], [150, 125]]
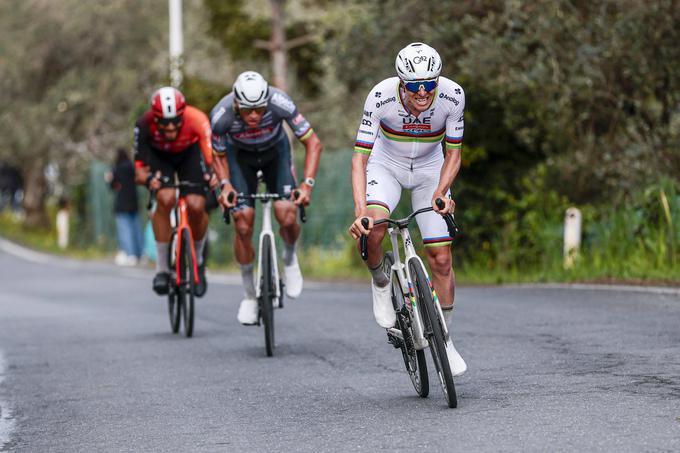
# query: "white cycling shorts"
[[384, 184]]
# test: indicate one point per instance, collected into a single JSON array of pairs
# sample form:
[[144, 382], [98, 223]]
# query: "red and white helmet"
[[168, 102]]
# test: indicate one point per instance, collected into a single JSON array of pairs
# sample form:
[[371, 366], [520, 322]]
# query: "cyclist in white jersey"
[[399, 146]]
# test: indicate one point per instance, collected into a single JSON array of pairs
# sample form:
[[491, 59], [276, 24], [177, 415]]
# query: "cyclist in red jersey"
[[173, 137]]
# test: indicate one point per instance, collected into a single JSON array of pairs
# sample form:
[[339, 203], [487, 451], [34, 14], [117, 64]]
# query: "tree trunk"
[[35, 193], [278, 45]]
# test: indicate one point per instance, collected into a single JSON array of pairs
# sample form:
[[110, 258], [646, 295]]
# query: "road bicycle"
[[182, 261], [269, 289], [420, 320]]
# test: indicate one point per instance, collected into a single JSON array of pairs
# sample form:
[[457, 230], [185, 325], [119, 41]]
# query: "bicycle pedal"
[[394, 341]]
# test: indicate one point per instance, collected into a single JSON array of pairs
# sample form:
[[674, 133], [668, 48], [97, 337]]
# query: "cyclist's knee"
[[196, 205], [243, 224], [285, 213], [440, 261], [165, 200], [377, 235]]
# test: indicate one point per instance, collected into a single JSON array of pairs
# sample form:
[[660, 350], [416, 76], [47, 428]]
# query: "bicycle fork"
[[267, 231]]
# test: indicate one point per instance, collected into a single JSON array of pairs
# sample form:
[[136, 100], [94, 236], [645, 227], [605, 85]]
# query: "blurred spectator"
[[130, 239], [11, 187]]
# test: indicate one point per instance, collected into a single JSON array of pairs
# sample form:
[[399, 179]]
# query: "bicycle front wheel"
[[414, 360], [187, 284], [433, 331], [267, 294], [174, 305]]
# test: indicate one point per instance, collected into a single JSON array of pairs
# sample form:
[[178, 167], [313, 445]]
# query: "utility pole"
[[176, 42]]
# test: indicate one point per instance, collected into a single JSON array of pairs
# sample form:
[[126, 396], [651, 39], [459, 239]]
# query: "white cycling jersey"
[[406, 150], [391, 134]]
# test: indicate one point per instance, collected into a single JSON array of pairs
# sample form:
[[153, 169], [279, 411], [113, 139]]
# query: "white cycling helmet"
[[418, 61], [250, 90]]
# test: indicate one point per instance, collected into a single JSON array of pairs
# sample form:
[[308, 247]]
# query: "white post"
[[62, 228], [176, 42], [572, 236]]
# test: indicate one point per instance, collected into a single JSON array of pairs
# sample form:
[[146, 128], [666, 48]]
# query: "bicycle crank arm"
[[395, 332]]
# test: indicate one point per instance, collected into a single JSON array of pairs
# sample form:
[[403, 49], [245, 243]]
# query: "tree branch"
[[300, 41], [262, 44]]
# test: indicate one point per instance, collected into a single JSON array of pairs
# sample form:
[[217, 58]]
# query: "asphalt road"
[[88, 363]]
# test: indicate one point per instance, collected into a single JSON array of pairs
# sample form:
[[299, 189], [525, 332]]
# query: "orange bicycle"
[[181, 262]]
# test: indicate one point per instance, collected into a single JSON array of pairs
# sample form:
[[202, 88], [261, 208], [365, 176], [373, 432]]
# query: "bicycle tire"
[[187, 285], [174, 306], [414, 360], [433, 331], [267, 295]]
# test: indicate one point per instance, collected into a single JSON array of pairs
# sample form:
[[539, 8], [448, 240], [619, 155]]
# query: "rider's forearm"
[[313, 149], [359, 162], [221, 167], [449, 170]]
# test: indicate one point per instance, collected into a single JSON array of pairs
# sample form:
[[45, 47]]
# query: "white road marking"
[[7, 422], [23, 252], [674, 291], [233, 279]]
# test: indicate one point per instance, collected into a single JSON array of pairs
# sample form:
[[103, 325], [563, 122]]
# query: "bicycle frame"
[[395, 229], [182, 227], [406, 284], [267, 231]]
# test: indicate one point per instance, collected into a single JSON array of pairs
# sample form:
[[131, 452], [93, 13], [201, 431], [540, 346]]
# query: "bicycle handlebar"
[[165, 184], [403, 223], [264, 197]]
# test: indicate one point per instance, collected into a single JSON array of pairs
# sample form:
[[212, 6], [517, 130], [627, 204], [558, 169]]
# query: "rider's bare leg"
[[375, 251], [244, 220], [162, 230], [443, 277], [286, 214], [198, 220]]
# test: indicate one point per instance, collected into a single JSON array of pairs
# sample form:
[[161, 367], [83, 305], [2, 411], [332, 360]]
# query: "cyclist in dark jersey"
[[248, 136], [173, 137]]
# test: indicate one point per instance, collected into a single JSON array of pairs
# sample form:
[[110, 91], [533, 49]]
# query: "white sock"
[[199, 246], [289, 253], [248, 282], [162, 251]]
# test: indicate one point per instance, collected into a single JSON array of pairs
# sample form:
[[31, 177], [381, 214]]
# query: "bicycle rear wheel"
[[414, 360], [187, 284], [174, 305], [267, 295], [433, 331]]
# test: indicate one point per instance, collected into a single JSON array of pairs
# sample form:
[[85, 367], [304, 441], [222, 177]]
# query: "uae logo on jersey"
[[372, 182], [416, 124]]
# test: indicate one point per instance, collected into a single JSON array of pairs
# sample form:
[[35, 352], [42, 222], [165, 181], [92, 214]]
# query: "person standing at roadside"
[[126, 208]]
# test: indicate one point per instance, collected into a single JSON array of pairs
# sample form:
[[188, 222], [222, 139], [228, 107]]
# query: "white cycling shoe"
[[456, 362], [247, 312], [293, 278], [382, 306]]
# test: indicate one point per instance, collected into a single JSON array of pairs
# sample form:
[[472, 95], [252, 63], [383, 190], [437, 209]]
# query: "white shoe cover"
[[293, 279], [456, 362], [247, 312], [382, 306]]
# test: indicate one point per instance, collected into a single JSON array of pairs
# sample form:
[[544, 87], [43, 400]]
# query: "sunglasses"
[[248, 110], [427, 85], [163, 122]]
